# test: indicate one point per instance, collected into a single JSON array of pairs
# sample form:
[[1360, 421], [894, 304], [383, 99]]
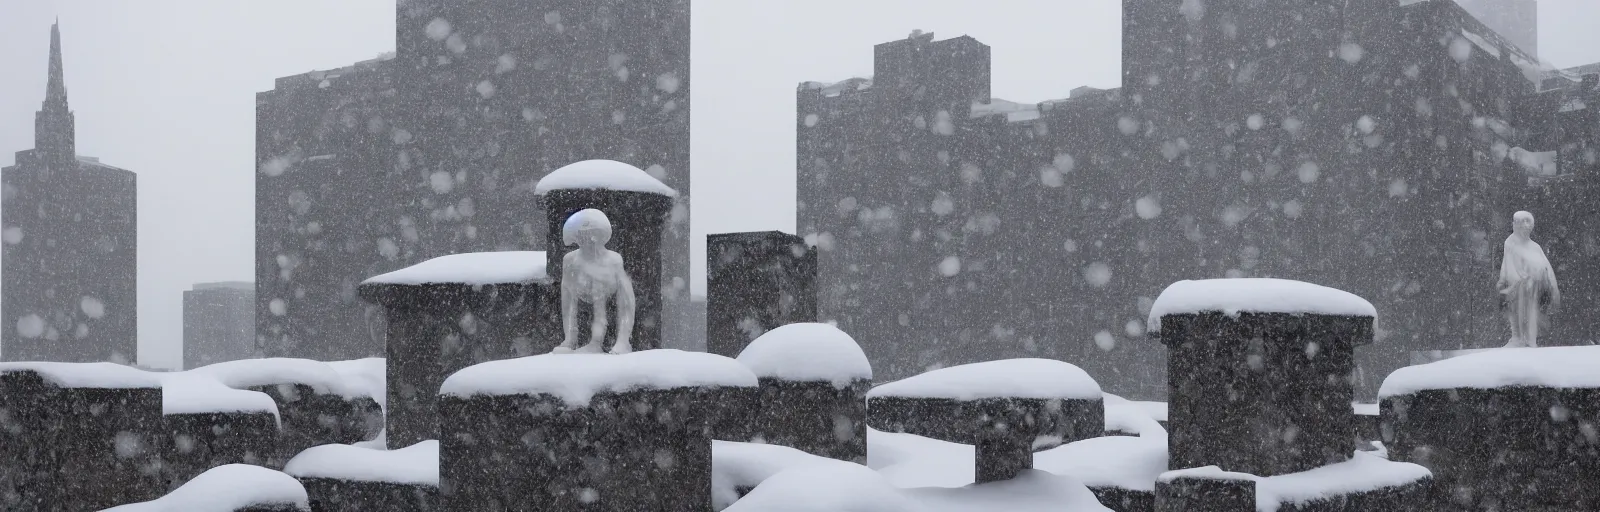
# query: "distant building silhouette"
[[219, 323], [1516, 20], [1362, 145], [435, 151], [69, 245]]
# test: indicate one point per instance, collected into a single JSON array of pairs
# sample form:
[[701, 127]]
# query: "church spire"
[[56, 91], [54, 127]]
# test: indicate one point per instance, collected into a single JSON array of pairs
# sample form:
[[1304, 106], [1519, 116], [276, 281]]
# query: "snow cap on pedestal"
[[604, 175], [807, 352], [1007, 378], [471, 268], [577, 378], [1255, 295]]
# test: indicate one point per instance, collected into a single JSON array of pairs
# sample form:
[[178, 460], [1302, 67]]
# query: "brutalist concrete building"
[[436, 151], [1361, 145], [219, 323], [70, 244], [327, 210]]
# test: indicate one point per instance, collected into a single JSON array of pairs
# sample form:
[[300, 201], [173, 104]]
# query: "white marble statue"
[[1527, 283], [593, 276]]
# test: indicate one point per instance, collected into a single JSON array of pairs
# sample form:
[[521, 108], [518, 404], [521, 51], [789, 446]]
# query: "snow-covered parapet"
[[1255, 295], [364, 377], [1009, 409], [472, 268], [229, 488], [1526, 414], [602, 175], [1007, 378], [577, 378], [354, 477], [251, 373], [807, 352], [188, 393], [87, 375], [814, 379], [739, 467], [1547, 367], [1380, 484], [1112, 463], [854, 487], [647, 414], [1267, 346], [417, 464]]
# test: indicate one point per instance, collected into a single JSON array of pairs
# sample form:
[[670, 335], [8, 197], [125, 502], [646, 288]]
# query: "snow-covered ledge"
[[602, 175], [1545, 367], [230, 487], [473, 269], [647, 414], [1255, 295], [451, 312], [1268, 345]]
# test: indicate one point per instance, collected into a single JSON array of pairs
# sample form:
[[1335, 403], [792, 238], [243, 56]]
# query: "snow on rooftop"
[[853, 488], [1204, 473], [472, 268], [806, 352], [735, 465], [1484, 44], [248, 373], [189, 393], [1552, 367], [834, 89], [1014, 112], [1122, 462], [576, 378], [1364, 472], [417, 464], [602, 174], [367, 377], [826, 488], [1255, 295], [88, 375], [1123, 415], [1031, 491], [1006, 378], [226, 489]]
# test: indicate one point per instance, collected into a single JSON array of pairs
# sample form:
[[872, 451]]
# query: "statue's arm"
[[569, 298], [625, 301]]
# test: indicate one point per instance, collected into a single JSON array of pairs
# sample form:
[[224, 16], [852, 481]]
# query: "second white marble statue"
[[1527, 283]]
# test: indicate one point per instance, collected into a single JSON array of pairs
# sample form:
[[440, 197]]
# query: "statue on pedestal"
[[1527, 283], [593, 275]]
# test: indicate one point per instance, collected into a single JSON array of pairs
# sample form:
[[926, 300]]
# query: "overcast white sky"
[[166, 88]]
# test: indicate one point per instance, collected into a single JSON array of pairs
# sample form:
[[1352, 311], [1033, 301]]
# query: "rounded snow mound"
[[228, 488], [602, 175], [807, 352], [1006, 378], [417, 464], [1255, 295]]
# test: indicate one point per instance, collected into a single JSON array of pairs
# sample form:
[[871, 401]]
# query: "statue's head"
[[587, 228], [1522, 223]]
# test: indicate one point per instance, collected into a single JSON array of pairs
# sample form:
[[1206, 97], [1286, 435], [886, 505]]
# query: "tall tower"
[[68, 244]]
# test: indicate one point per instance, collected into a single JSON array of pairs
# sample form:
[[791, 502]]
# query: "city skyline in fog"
[[167, 89]]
